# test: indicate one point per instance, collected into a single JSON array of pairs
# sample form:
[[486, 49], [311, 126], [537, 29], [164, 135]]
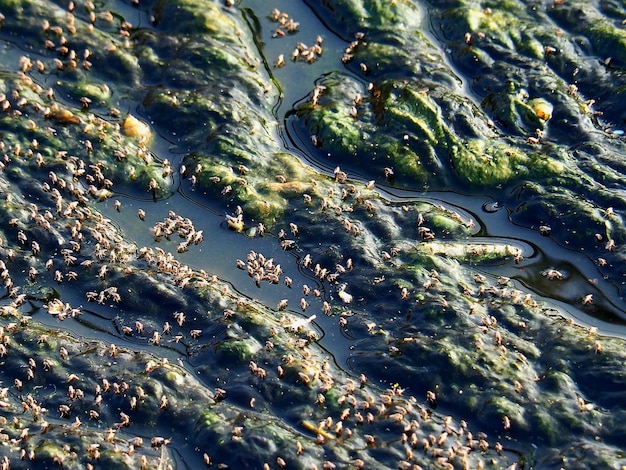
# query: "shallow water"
[[476, 310]]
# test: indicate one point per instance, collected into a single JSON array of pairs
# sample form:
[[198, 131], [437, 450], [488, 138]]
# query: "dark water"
[[465, 311]]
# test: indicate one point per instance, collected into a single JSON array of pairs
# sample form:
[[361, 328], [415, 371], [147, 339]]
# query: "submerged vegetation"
[[417, 262]]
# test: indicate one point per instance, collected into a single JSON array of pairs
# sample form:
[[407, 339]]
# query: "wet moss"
[[202, 88], [99, 94], [235, 351], [608, 40], [374, 14], [185, 16], [488, 163]]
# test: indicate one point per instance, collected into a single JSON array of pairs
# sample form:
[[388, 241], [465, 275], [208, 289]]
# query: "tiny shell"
[[64, 116], [542, 108], [137, 129]]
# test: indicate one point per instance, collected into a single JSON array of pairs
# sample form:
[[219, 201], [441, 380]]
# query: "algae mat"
[[316, 234]]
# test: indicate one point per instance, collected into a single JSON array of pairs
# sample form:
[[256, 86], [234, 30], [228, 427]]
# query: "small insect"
[[64, 411], [552, 274], [102, 272], [344, 296], [294, 229], [404, 293], [431, 398], [163, 403], [307, 261], [288, 244], [582, 406], [125, 420], [503, 280], [153, 186], [180, 318], [506, 423], [157, 442], [597, 347], [156, 338], [545, 230]]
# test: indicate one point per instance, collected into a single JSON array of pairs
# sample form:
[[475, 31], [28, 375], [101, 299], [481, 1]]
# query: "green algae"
[[228, 129], [351, 135], [488, 163], [235, 351], [374, 14], [415, 138], [184, 16], [98, 93]]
